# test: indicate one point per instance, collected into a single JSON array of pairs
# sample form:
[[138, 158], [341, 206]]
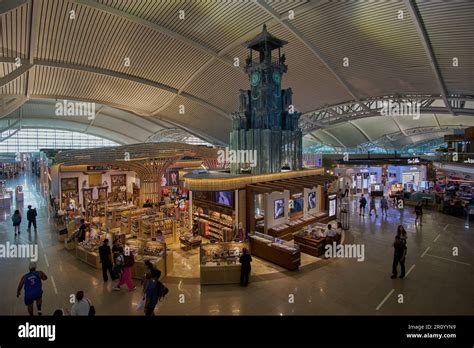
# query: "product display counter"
[[189, 241], [310, 239], [154, 251], [90, 257], [285, 231], [220, 263], [275, 250]]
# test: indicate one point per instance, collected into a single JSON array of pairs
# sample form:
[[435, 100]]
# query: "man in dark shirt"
[[106, 260], [82, 232], [245, 261], [31, 217], [399, 256]]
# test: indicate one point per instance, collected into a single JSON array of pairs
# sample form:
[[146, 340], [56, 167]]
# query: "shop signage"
[[413, 160], [469, 160], [99, 168]]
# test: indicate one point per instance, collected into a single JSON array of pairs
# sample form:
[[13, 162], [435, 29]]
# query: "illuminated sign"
[[413, 160]]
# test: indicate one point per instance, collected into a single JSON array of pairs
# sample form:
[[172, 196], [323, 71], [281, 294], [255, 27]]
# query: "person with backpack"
[[82, 306], [32, 282], [31, 217], [155, 292], [125, 262], [362, 204], [400, 246], [16, 219]]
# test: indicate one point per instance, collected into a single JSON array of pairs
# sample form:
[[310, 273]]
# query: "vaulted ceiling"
[[150, 69]]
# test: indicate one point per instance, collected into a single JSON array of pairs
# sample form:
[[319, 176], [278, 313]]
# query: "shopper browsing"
[[330, 232], [16, 219], [245, 261], [32, 282], [82, 306], [82, 231], [362, 204], [31, 217], [125, 262]]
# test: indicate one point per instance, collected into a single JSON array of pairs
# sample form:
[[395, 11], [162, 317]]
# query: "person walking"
[[106, 260], [372, 207], [419, 213], [400, 251], [82, 306], [362, 204], [384, 205], [31, 217], [155, 291], [245, 269], [125, 262], [32, 282], [16, 219]]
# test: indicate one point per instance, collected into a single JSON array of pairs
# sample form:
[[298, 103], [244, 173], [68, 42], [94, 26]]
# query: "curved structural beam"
[[360, 130], [425, 41], [153, 26], [231, 46], [290, 27], [339, 113], [334, 137]]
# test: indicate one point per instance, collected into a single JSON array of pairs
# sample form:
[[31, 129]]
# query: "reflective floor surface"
[[439, 280]]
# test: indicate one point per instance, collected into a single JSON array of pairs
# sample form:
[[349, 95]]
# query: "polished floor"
[[437, 281]]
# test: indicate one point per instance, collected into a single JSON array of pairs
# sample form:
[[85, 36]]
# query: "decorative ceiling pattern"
[[171, 64]]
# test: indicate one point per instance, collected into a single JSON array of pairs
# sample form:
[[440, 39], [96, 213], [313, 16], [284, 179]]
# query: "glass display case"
[[278, 251], [219, 262]]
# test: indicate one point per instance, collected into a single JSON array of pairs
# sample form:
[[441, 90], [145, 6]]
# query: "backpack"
[[162, 290], [128, 260]]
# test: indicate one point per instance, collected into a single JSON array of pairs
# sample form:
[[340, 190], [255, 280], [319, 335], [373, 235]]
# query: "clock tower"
[[266, 122]]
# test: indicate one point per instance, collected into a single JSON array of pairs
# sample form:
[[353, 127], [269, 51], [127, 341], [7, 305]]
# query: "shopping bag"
[[141, 304]]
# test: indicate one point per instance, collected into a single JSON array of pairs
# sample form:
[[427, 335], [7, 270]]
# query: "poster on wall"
[[225, 198], [164, 181], [173, 178], [311, 200], [332, 205], [279, 208]]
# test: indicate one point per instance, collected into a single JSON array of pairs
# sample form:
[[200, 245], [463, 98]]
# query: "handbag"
[[141, 304], [91, 309]]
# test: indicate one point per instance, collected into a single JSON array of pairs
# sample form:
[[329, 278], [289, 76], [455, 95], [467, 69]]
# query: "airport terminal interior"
[[333, 142]]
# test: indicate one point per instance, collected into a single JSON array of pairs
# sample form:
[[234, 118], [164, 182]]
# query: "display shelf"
[[275, 250]]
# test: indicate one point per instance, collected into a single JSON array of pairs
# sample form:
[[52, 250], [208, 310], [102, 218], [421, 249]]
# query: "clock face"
[[255, 94], [255, 78], [276, 77]]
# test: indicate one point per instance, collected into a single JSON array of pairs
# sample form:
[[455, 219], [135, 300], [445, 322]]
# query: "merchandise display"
[[187, 239], [130, 220], [278, 251], [219, 262], [216, 225], [150, 226], [311, 239]]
